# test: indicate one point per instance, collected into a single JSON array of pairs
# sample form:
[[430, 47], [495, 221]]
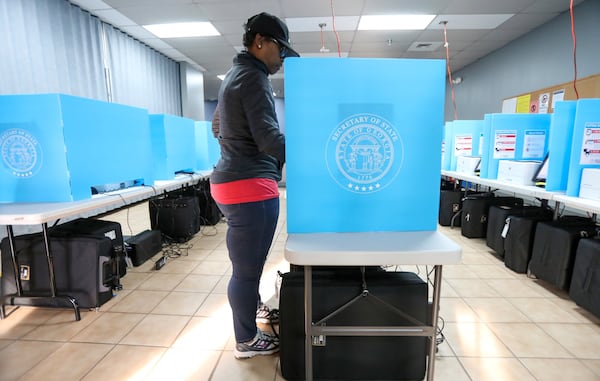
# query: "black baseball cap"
[[269, 25]]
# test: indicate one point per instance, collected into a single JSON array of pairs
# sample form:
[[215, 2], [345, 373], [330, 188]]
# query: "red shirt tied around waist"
[[243, 191]]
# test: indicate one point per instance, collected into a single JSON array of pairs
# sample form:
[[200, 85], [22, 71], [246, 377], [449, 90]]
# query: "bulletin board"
[[542, 101]]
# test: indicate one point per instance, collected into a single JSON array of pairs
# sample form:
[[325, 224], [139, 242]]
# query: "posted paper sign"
[[505, 143], [590, 149], [534, 144]]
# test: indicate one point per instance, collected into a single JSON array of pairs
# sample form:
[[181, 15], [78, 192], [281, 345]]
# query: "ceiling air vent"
[[425, 46]]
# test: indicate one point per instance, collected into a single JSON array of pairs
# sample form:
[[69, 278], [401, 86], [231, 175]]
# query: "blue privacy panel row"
[[513, 137], [56, 147], [465, 139], [585, 149], [559, 145], [207, 146], [363, 141], [173, 145]]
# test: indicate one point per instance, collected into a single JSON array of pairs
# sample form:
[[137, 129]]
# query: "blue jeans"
[[251, 227]]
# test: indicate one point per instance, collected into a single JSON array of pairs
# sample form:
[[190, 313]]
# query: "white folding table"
[[370, 249], [43, 212]]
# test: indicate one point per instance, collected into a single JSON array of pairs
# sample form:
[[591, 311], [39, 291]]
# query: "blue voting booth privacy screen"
[[363, 141], [207, 146], [466, 136], [56, 147], [173, 145], [559, 145], [447, 143], [514, 137], [585, 148]]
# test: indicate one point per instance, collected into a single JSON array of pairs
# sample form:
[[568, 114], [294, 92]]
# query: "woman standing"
[[244, 181]]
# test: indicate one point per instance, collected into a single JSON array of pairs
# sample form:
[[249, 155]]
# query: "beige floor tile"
[[198, 283], [543, 310], [180, 303], [449, 369], [215, 305], [496, 310], [19, 357], [71, 362], [179, 364], [131, 363], [515, 288], [579, 339], [528, 340], [175, 266], [139, 301], [133, 279], [259, 368], [62, 326], [559, 370], [161, 282], [5, 343], [20, 321], [458, 272], [492, 271], [211, 268], [456, 310], [205, 333], [496, 369], [593, 365], [109, 328], [474, 340], [156, 330], [472, 288]]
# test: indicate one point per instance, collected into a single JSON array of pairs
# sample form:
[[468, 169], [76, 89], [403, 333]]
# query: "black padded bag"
[[499, 223], [518, 243], [176, 216], [554, 248], [585, 282], [82, 267], [450, 207], [354, 357], [475, 212]]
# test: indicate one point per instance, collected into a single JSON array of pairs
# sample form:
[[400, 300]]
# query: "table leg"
[[308, 356], [435, 305]]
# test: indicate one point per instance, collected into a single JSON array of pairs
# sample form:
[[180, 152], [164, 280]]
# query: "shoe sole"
[[246, 355]]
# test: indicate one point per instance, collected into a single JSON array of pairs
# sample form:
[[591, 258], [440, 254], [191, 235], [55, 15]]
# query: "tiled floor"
[[175, 324]]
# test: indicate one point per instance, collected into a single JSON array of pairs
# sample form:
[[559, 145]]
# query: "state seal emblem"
[[21, 153], [364, 153]]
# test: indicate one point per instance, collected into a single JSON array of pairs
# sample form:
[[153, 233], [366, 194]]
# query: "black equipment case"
[[143, 246], [450, 207], [83, 267], [475, 209], [585, 283], [176, 216], [518, 243], [210, 214], [499, 220], [355, 357], [554, 248], [100, 228]]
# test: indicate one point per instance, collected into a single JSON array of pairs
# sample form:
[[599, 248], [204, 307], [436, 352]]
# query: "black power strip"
[[159, 264]]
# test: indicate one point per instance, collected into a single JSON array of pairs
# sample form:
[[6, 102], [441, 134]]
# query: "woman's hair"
[[248, 36]]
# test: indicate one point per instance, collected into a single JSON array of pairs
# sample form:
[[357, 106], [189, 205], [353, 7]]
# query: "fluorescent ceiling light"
[[395, 22], [183, 29], [221, 76]]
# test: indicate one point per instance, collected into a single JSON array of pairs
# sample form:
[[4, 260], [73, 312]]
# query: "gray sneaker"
[[262, 344]]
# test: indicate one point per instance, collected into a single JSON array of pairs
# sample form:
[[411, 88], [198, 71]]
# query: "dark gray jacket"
[[252, 146]]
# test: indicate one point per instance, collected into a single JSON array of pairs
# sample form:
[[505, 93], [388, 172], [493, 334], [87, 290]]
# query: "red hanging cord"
[[337, 37], [449, 71], [574, 51]]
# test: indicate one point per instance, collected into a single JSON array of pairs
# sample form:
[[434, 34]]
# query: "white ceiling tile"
[[312, 24], [469, 21], [113, 17]]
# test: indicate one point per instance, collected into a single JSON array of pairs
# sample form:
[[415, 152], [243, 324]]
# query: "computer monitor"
[[539, 178]]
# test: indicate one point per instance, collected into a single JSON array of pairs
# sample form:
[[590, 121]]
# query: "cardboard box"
[[517, 171], [56, 147], [590, 184]]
